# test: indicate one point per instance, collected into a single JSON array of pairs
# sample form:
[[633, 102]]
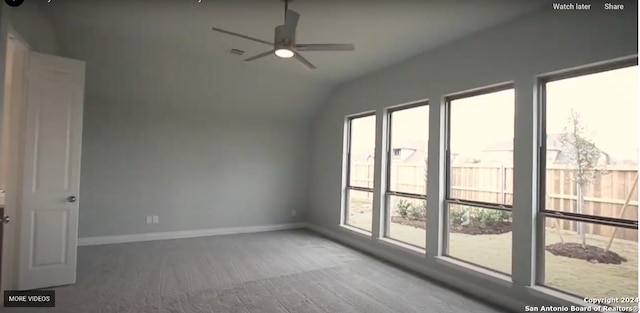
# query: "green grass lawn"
[[574, 276]]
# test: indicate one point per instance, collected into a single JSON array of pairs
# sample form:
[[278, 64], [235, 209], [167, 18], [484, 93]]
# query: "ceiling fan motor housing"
[[285, 34], [285, 37], [284, 43]]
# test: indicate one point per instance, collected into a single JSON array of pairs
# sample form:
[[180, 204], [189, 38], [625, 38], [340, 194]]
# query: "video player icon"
[[14, 3]]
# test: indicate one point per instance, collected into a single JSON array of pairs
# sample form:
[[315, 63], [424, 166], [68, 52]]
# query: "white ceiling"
[[169, 45]]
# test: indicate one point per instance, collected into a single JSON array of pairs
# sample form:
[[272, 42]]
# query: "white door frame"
[[13, 183]]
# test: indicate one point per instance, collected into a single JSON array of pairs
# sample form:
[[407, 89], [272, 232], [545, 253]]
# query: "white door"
[[12, 122], [51, 173]]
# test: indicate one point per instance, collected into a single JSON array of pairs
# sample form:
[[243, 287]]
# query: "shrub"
[[487, 217], [418, 211], [477, 217], [403, 207], [459, 216], [407, 209]]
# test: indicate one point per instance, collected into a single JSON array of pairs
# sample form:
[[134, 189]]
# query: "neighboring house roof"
[[416, 157], [411, 144], [418, 148], [364, 155], [554, 143], [625, 162], [506, 145], [416, 152]]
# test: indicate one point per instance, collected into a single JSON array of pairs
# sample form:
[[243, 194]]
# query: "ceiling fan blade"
[[261, 55], [242, 36], [304, 61], [326, 47]]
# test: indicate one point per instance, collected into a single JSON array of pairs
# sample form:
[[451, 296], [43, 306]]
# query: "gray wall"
[[193, 165], [194, 169], [32, 25], [196, 160], [517, 51]]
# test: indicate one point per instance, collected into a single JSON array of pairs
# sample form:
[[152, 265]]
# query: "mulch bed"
[[589, 253], [501, 228], [463, 229]]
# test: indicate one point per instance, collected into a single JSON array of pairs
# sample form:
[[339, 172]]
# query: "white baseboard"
[[103, 240]]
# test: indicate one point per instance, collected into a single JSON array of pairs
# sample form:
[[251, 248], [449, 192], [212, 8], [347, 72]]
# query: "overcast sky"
[[607, 102], [608, 106]]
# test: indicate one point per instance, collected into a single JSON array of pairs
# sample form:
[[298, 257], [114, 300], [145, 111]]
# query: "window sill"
[[498, 278], [559, 297], [355, 230], [403, 246]]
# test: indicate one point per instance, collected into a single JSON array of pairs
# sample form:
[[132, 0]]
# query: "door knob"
[[5, 219], [71, 199]]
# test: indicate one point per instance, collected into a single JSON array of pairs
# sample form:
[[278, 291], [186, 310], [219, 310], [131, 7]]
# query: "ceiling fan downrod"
[[284, 43], [286, 8]]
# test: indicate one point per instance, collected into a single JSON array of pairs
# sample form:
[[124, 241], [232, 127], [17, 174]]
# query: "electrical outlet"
[[155, 219], [149, 220], [294, 213]]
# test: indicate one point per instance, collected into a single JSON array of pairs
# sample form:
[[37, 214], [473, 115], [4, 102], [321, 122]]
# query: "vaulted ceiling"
[[164, 52]]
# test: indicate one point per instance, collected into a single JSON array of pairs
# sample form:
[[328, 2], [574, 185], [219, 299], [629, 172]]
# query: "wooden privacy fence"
[[494, 183]]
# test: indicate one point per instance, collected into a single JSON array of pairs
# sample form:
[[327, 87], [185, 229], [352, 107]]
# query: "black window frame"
[[388, 193], [542, 146], [542, 212], [448, 200], [348, 186]]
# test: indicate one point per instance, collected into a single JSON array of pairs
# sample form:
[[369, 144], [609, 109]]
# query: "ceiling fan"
[[284, 43]]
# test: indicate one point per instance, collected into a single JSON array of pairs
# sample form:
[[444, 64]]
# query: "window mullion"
[[524, 183]]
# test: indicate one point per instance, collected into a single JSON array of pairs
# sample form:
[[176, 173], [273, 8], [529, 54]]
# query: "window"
[[479, 177], [361, 140], [588, 205], [406, 205]]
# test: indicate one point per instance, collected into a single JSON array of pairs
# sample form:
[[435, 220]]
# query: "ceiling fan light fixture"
[[284, 41], [284, 53]]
